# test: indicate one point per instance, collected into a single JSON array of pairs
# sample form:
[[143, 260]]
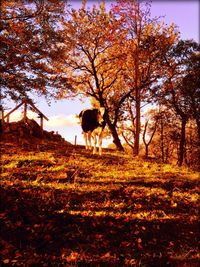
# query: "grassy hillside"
[[62, 206]]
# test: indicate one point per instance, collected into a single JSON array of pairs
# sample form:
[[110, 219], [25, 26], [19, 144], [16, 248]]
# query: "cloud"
[[62, 121], [56, 121]]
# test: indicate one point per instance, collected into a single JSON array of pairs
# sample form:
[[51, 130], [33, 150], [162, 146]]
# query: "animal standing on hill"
[[93, 123]]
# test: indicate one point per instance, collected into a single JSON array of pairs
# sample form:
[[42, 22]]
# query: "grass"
[[66, 207]]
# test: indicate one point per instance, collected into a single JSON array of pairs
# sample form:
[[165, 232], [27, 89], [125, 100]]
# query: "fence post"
[[41, 121], [75, 140], [25, 110], [1, 119]]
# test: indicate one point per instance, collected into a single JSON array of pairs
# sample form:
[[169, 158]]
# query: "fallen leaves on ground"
[[65, 207]]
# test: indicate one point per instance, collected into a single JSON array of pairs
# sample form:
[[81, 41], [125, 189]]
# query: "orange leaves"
[[85, 214], [106, 255], [173, 204], [139, 243], [73, 257], [6, 261], [26, 39], [93, 61]]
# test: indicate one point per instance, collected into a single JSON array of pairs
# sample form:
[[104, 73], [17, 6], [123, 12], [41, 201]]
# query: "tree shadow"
[[53, 228]]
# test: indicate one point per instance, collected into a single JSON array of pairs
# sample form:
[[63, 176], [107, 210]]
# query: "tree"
[[150, 127], [179, 88], [29, 50], [167, 135], [94, 61], [191, 85], [104, 58], [192, 145], [147, 42], [128, 123]]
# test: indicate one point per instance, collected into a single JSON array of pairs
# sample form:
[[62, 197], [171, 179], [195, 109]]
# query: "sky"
[[63, 113]]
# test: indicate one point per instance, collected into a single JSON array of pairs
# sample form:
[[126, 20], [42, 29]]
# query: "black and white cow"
[[93, 123]]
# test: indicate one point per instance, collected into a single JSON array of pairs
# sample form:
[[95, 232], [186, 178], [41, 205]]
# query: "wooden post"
[[26, 103], [75, 140], [1, 119], [8, 114], [25, 110], [41, 121], [37, 110]]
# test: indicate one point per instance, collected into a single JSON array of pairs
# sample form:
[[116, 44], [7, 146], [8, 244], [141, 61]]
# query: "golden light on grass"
[[114, 196]]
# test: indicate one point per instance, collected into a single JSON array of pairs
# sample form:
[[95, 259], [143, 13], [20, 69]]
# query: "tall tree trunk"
[[137, 104], [112, 127], [137, 122], [198, 143], [138, 33], [182, 142], [150, 139], [115, 136], [162, 140], [198, 130], [146, 151]]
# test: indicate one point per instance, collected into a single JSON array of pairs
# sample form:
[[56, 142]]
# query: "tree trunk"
[[137, 51], [150, 139], [198, 130], [1, 119], [162, 140], [138, 104], [137, 123], [182, 143], [198, 143], [115, 136], [146, 151]]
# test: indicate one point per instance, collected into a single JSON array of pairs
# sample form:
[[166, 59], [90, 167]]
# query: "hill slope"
[[63, 206], [29, 135]]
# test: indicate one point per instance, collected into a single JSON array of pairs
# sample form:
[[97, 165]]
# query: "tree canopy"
[[29, 38]]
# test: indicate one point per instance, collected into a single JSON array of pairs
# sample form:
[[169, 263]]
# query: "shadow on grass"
[[41, 228]]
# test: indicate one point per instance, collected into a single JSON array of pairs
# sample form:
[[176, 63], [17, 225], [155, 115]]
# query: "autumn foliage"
[[62, 206], [122, 58]]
